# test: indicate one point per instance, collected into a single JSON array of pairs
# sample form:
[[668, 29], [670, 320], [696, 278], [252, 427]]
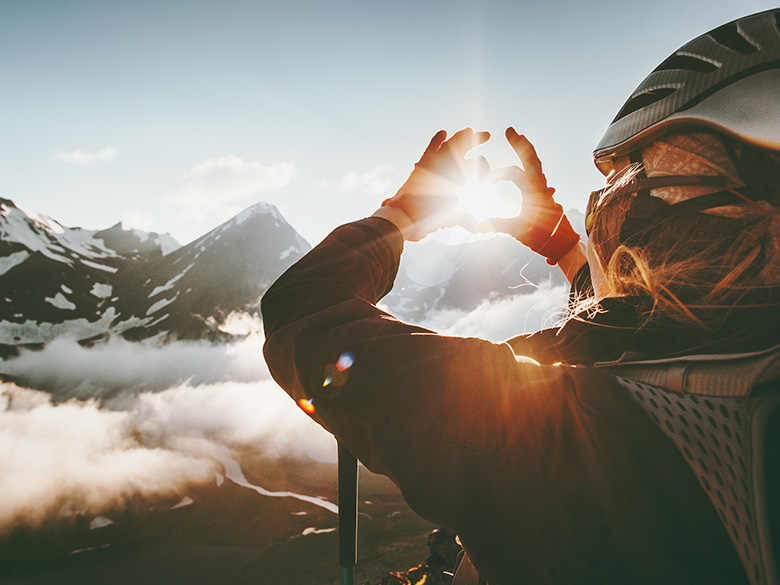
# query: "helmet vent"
[[643, 100], [687, 63], [731, 37]]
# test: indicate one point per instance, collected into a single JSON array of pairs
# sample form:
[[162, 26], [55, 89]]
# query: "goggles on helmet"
[[639, 188]]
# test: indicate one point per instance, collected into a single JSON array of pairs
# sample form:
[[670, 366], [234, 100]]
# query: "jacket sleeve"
[[425, 409]]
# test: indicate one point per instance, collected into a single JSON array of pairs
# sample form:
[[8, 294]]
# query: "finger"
[[438, 139], [520, 178], [525, 151], [465, 140]]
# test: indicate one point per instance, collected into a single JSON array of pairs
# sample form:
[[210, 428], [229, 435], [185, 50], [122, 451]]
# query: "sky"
[[174, 115]]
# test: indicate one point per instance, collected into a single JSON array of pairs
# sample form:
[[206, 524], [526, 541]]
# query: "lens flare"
[[345, 361], [307, 405]]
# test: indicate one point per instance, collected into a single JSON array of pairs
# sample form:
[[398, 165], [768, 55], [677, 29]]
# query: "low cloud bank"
[[79, 457], [501, 319], [68, 370], [124, 420]]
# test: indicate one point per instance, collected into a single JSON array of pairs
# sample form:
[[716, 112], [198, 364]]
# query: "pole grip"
[[348, 503]]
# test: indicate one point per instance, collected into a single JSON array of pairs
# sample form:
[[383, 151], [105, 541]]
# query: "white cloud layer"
[[162, 417], [78, 157], [76, 457], [69, 370], [501, 319]]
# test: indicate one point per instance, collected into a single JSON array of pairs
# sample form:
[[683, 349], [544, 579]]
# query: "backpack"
[[722, 412]]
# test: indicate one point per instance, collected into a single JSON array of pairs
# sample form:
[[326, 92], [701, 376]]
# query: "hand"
[[541, 225], [429, 197]]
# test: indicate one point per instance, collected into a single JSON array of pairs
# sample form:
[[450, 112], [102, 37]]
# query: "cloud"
[[164, 417], [68, 370], [228, 180], [78, 157], [212, 192], [79, 457], [501, 319], [373, 182]]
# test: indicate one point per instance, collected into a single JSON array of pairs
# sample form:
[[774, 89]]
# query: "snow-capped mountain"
[[57, 280], [86, 284], [191, 291], [434, 276]]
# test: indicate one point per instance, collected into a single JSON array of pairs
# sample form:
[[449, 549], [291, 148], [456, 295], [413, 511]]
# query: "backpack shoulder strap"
[[711, 375]]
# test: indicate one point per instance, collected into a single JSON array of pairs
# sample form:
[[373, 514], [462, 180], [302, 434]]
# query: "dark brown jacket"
[[547, 472]]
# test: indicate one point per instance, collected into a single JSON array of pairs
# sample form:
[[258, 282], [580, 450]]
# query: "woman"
[[538, 460]]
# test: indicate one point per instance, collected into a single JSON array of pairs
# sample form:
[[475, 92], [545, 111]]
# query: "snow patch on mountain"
[[101, 290], [60, 302], [8, 262], [167, 244], [169, 285], [33, 332], [98, 266], [243, 216], [161, 304], [39, 233], [286, 253], [100, 522]]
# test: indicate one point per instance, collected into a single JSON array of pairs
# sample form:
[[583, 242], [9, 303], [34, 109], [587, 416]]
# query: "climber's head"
[[690, 212]]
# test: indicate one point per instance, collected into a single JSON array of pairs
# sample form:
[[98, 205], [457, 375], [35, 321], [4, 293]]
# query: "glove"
[[429, 197], [541, 225]]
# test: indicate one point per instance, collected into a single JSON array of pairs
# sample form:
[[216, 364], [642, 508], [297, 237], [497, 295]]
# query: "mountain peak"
[[132, 242], [259, 208]]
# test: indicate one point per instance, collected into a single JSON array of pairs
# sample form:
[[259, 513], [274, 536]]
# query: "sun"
[[486, 198]]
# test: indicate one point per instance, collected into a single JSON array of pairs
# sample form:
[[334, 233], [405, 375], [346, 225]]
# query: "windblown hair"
[[718, 275]]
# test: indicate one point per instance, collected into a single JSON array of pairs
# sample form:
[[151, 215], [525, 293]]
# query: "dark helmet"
[[727, 80]]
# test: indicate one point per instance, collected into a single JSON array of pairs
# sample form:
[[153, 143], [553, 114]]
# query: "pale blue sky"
[[186, 111]]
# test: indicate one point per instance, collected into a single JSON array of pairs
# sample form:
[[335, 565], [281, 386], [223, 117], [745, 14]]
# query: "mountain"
[[435, 276], [87, 284], [57, 280]]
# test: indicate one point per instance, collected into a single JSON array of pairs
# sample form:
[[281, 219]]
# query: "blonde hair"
[[717, 275]]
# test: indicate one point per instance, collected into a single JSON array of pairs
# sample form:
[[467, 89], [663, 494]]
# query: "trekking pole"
[[348, 503]]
